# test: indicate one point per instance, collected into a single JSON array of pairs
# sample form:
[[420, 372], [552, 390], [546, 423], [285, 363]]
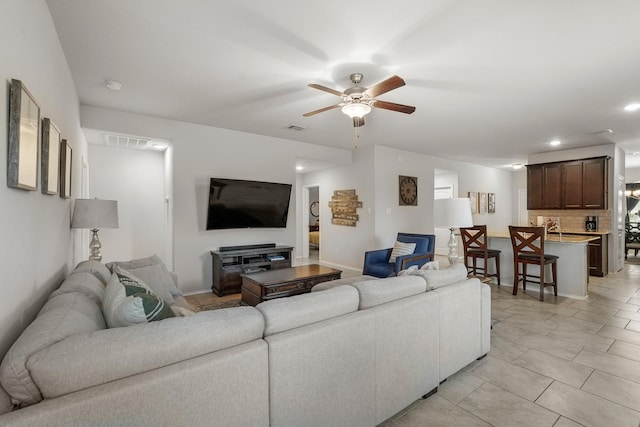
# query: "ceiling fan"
[[358, 100]]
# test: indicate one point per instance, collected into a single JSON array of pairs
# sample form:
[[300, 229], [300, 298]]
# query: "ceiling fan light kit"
[[356, 109], [358, 100]]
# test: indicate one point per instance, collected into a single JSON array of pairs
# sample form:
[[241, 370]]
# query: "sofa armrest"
[[406, 261], [379, 255]]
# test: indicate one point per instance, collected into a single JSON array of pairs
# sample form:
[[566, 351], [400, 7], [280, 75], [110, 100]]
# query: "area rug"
[[223, 304]]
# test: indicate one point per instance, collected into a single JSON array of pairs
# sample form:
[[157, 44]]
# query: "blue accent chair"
[[376, 263]]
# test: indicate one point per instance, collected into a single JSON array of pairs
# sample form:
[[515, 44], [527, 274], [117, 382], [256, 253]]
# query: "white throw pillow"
[[401, 249], [129, 302], [431, 265], [408, 271]]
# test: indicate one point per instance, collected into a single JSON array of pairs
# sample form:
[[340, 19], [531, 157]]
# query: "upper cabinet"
[[577, 184]]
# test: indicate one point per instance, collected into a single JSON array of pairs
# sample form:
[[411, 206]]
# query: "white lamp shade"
[[449, 213], [95, 213], [356, 109]]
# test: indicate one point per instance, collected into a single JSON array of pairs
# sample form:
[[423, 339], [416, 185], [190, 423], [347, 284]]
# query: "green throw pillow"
[[128, 302]]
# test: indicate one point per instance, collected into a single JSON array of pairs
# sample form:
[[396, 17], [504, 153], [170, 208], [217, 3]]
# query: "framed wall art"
[[473, 201], [65, 169], [24, 134], [50, 157], [491, 202], [482, 203]]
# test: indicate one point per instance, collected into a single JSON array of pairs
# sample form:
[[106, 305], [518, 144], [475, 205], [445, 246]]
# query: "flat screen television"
[[235, 203]]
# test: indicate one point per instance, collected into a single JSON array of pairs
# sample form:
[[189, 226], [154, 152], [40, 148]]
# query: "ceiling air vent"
[[295, 127]]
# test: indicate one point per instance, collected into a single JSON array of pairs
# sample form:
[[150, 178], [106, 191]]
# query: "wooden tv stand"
[[229, 263]]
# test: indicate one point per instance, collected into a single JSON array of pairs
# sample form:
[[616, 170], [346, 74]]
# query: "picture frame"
[[65, 169], [50, 157], [482, 203], [473, 201], [24, 138], [491, 202]]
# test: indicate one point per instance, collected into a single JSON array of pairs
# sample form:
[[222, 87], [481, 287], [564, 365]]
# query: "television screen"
[[235, 203]]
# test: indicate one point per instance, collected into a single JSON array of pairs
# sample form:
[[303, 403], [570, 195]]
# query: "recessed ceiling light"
[[517, 166], [112, 85], [555, 143], [635, 106], [299, 168]]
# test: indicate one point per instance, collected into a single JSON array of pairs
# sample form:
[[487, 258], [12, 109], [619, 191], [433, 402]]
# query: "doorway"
[[311, 222], [445, 187]]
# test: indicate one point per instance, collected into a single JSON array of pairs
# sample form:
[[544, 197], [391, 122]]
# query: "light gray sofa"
[[344, 355]]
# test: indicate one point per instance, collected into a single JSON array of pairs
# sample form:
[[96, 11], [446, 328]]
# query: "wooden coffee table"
[[284, 282]]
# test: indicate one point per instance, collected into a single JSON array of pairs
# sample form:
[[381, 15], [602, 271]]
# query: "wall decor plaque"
[[343, 207], [65, 169], [473, 201], [491, 204]]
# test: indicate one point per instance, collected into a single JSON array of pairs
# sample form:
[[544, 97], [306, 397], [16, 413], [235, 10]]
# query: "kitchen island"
[[573, 267]]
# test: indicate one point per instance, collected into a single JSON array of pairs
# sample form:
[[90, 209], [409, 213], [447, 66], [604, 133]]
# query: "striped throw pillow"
[[400, 249]]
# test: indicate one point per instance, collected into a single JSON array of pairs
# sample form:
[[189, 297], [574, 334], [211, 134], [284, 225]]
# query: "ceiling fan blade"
[[321, 110], [393, 82], [325, 89], [358, 122], [407, 109]]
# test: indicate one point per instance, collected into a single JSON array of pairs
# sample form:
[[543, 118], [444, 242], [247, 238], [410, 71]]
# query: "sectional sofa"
[[350, 353]]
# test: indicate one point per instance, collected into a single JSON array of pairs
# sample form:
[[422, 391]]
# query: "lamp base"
[[453, 248], [94, 246]]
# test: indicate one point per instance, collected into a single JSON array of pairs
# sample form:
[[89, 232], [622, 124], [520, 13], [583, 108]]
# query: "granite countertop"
[[552, 237], [585, 233]]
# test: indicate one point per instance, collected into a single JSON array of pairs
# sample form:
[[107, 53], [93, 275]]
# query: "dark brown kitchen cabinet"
[[544, 186], [594, 185], [576, 184], [572, 185]]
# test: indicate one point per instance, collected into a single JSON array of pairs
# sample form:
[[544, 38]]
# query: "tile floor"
[[561, 362]]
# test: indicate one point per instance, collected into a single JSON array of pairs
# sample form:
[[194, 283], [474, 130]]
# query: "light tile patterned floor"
[[560, 363]]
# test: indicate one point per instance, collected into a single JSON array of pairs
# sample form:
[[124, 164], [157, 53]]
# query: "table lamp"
[[452, 214], [94, 214]]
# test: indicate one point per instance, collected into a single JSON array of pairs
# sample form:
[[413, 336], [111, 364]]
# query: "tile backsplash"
[[573, 220]]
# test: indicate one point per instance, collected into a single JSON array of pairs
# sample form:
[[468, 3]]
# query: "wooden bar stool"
[[474, 241], [528, 248]]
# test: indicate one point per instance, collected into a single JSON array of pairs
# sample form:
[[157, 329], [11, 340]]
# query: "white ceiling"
[[492, 81]]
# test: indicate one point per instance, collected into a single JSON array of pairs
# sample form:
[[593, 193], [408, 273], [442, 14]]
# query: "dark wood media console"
[[229, 263]]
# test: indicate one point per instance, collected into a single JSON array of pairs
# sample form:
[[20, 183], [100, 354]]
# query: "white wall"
[[200, 153], [135, 178], [374, 174], [632, 175], [37, 243]]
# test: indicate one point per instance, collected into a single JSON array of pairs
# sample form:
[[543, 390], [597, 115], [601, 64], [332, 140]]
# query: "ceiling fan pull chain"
[[356, 136]]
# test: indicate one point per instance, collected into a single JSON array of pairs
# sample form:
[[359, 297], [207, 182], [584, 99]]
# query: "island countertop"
[[572, 265], [552, 237]]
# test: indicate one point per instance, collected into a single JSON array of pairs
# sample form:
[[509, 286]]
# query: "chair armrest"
[[377, 256], [406, 261]]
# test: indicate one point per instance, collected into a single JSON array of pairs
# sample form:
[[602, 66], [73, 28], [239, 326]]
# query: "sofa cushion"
[[96, 268], [446, 276], [5, 402], [128, 301], [380, 291], [401, 249], [282, 314], [150, 269], [64, 315], [82, 281], [339, 282], [112, 354]]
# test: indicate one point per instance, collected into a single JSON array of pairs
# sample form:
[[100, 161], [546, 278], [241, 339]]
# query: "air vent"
[[122, 141], [295, 127]]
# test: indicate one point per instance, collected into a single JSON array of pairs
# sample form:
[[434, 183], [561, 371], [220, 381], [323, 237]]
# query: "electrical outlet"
[[337, 250]]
